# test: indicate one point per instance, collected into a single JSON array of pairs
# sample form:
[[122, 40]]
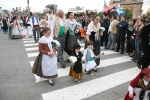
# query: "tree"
[[128, 14], [6, 11], [52, 7], [144, 16], [79, 8], [40, 14], [101, 15]]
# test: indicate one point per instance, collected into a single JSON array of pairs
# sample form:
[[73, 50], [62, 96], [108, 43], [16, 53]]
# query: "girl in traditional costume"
[[22, 31], [29, 28], [140, 86], [76, 71], [89, 57], [14, 29], [47, 47]]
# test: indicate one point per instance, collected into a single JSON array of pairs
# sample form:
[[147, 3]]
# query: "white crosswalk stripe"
[[91, 87], [95, 84]]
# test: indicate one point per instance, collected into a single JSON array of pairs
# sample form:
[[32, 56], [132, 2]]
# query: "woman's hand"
[[131, 95], [132, 37], [76, 31], [53, 53], [50, 53], [101, 34]]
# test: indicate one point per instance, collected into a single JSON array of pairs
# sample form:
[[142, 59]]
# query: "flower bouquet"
[[78, 26], [55, 44], [73, 59], [102, 29]]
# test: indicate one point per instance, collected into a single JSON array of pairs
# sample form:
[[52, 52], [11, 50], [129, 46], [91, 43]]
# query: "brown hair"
[[94, 17], [45, 29], [89, 42], [143, 20]]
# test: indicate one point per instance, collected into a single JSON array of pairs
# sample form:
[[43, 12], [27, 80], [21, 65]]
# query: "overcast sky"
[[39, 5]]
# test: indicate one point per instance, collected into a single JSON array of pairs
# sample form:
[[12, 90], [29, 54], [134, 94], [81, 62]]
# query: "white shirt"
[[35, 21], [110, 27]]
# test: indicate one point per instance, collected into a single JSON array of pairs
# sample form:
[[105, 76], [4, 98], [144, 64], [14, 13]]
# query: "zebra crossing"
[[114, 70]]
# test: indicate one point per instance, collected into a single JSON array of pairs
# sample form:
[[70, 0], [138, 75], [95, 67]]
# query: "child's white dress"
[[22, 31], [91, 63]]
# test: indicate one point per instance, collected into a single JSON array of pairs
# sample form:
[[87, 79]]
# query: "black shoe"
[[134, 60], [116, 50], [63, 66], [112, 49], [52, 84], [94, 70], [138, 65], [121, 53], [36, 41]]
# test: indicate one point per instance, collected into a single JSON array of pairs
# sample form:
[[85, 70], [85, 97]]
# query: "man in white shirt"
[[35, 26], [59, 30], [112, 34]]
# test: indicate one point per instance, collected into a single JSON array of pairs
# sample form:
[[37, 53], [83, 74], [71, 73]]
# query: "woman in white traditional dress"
[[71, 34], [93, 34], [49, 60], [29, 28], [14, 31]]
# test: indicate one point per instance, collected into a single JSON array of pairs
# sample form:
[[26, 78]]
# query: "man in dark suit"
[[105, 23], [145, 46], [122, 28]]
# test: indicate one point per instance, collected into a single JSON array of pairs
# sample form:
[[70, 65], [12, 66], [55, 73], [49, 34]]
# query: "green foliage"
[[53, 7], [101, 15], [6, 11], [79, 8], [146, 16], [40, 14], [128, 14]]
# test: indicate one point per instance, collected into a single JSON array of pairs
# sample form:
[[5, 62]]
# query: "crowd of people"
[[130, 36]]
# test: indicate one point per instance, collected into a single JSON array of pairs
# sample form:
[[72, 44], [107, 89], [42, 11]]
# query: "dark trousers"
[[36, 30], [129, 46], [60, 49], [144, 60], [104, 38], [120, 42]]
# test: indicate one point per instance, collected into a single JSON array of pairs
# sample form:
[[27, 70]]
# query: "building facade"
[[134, 5]]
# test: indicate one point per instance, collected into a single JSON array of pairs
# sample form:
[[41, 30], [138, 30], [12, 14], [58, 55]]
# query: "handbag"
[[37, 68]]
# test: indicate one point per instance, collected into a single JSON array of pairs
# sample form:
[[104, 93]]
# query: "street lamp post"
[[28, 9], [40, 9]]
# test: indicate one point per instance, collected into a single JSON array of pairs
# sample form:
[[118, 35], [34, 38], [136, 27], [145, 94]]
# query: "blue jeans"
[[137, 50]]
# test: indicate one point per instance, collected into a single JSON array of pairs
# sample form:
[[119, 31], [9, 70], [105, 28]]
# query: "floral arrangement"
[[102, 29], [55, 44], [73, 59], [78, 26]]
